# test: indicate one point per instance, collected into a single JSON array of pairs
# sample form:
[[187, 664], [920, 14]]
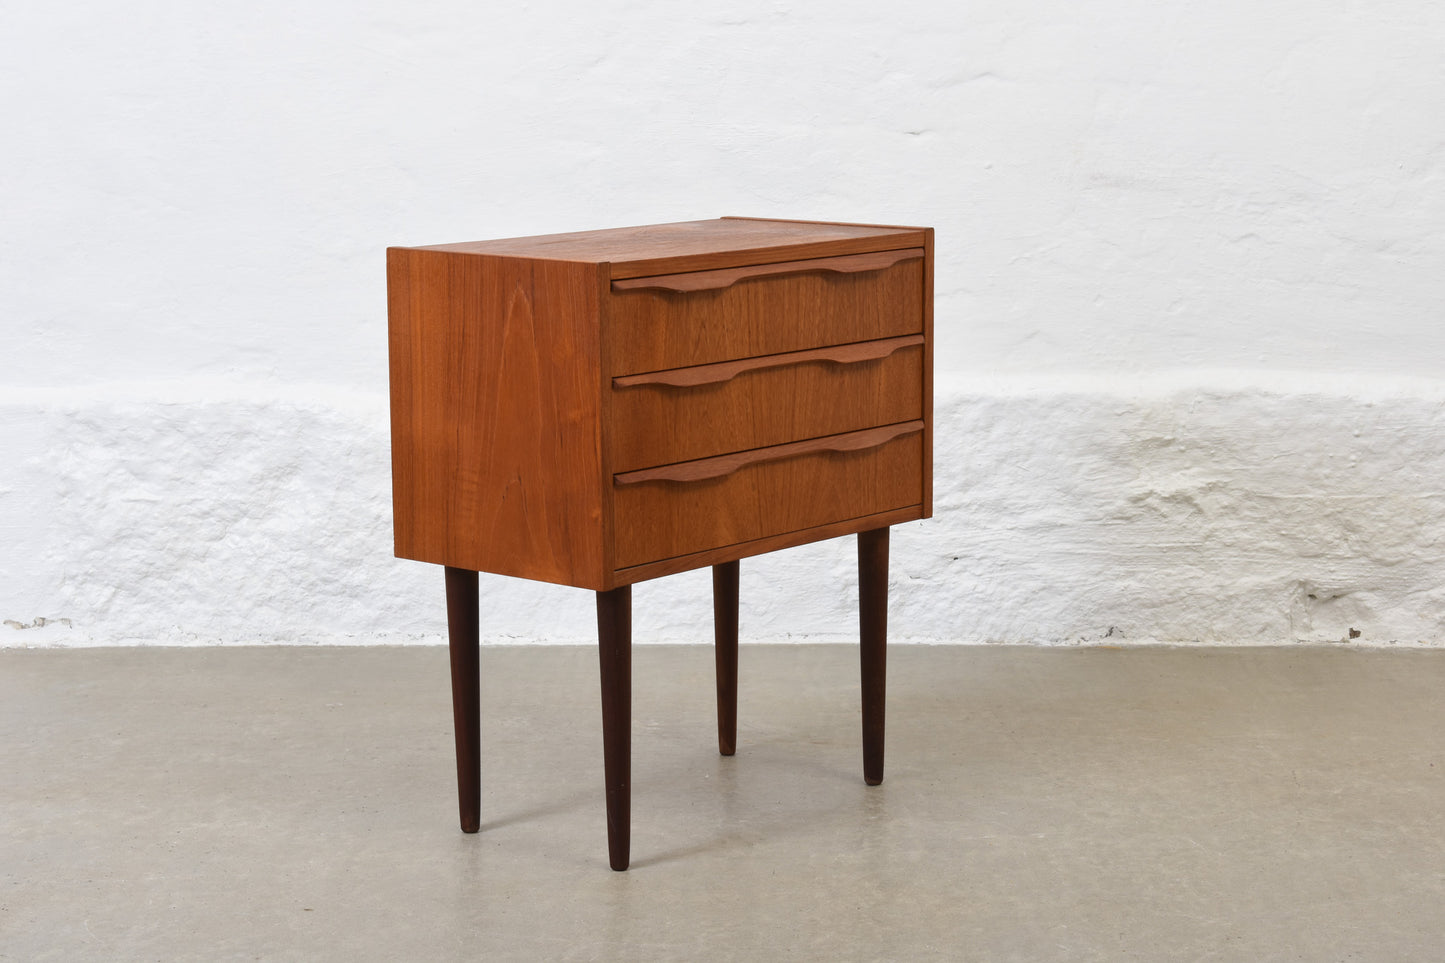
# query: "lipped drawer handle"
[[711, 374], [727, 277], [720, 465]]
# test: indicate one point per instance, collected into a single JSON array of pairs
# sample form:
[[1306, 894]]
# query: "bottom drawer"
[[765, 492]]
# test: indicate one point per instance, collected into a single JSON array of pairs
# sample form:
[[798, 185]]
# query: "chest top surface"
[[695, 245]]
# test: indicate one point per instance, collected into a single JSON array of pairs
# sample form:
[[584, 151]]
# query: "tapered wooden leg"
[[873, 645], [614, 646], [463, 631], [725, 648]]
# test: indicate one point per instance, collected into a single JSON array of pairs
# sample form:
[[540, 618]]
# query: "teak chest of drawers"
[[600, 408]]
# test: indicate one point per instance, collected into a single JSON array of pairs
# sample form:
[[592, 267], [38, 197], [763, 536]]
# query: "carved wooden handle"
[[710, 374], [720, 465], [727, 277]]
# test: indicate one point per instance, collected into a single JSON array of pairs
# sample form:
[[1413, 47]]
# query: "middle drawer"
[[689, 413]]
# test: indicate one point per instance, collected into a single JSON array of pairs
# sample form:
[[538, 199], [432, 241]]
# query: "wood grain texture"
[[605, 428], [696, 245], [727, 277], [789, 220], [659, 424], [706, 469], [654, 330], [661, 520], [495, 389], [928, 372], [761, 546], [711, 374]]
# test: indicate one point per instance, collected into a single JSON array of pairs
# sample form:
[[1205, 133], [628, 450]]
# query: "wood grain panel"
[[711, 374], [651, 330], [661, 520], [928, 372], [761, 546], [706, 469], [496, 450], [791, 220], [696, 245], [657, 424], [727, 277]]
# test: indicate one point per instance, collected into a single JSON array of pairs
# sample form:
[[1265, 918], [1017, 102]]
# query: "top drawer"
[[677, 320]]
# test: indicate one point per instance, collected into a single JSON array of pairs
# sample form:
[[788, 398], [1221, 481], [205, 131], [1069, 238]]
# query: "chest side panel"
[[495, 388]]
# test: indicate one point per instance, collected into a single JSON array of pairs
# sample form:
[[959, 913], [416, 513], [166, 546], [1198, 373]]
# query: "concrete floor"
[[1040, 804]]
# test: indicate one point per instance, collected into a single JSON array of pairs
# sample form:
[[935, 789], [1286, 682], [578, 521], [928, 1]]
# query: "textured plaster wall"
[[1188, 319]]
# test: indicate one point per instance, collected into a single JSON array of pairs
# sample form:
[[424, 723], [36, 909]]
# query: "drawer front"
[[691, 413], [681, 509], [680, 320]]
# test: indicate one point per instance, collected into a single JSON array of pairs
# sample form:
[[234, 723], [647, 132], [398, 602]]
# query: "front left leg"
[[463, 639], [614, 646], [725, 645], [873, 645]]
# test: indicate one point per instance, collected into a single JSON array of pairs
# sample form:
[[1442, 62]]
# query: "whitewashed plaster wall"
[[1190, 314]]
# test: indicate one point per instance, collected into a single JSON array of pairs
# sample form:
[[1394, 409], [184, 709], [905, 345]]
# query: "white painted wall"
[[1189, 297]]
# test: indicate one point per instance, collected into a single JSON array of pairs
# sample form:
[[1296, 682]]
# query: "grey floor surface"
[[1040, 804]]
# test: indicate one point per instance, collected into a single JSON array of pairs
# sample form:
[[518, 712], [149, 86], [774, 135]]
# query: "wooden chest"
[[599, 408]]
